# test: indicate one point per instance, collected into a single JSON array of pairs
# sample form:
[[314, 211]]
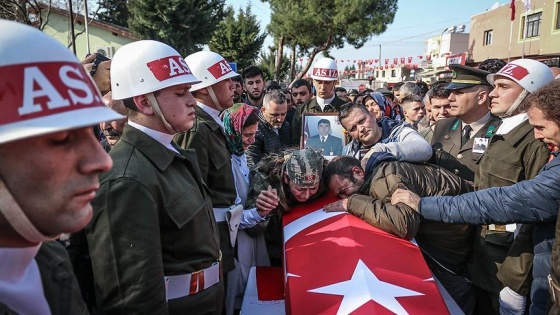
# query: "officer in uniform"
[[324, 74], [48, 175], [471, 119], [214, 94], [512, 155], [153, 240]]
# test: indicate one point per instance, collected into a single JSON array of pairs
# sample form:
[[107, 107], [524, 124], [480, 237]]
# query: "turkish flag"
[[335, 263], [409, 59], [512, 7]]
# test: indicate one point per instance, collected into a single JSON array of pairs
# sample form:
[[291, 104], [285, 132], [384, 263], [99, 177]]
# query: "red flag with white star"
[[336, 263]]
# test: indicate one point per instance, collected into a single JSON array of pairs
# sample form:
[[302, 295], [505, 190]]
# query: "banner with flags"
[[336, 263]]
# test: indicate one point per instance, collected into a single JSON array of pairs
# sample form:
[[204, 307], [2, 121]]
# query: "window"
[[557, 24], [533, 26], [393, 73], [487, 38], [383, 73]]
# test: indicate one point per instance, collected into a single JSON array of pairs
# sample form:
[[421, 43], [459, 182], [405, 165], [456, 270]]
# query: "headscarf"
[[234, 120]]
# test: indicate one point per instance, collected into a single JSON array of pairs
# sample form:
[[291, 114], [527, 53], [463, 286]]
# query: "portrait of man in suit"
[[330, 144]]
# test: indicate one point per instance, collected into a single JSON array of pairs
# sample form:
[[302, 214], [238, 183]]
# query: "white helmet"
[[147, 66], [44, 88], [528, 73], [209, 67], [325, 69]]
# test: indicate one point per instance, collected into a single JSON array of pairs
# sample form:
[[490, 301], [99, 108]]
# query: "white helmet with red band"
[[324, 69], [530, 74], [44, 88], [209, 67], [147, 66]]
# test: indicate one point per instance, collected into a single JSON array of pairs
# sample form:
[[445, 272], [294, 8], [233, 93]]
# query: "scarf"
[[234, 120]]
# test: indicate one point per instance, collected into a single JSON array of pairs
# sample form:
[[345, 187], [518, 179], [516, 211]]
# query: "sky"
[[415, 22]]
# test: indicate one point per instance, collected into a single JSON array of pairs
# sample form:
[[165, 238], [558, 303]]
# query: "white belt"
[[192, 283], [232, 216]]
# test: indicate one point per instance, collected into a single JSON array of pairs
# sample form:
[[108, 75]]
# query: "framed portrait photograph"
[[323, 131]]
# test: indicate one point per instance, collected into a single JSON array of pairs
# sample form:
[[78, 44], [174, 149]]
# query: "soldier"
[[324, 74], [154, 242], [454, 137], [48, 175]]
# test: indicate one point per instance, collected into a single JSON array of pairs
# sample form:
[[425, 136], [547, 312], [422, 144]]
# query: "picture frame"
[[313, 133]]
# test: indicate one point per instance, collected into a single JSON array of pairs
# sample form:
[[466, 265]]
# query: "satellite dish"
[[495, 6]]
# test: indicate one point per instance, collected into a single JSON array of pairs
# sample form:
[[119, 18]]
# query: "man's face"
[[254, 86], [544, 129], [397, 98], [325, 89], [359, 99], [289, 101], [112, 130], [177, 105], [414, 111], [54, 177], [362, 127], [275, 113], [503, 95], [324, 129], [301, 95], [248, 135], [343, 187], [301, 193], [225, 92], [440, 108], [237, 92], [464, 101], [343, 95]]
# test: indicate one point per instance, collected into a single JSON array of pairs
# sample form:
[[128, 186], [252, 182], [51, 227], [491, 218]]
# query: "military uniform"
[[448, 152], [208, 140], [509, 158], [59, 284], [312, 107], [152, 219]]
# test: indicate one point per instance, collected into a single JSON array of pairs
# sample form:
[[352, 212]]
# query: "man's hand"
[[337, 206], [101, 77], [407, 197], [267, 201]]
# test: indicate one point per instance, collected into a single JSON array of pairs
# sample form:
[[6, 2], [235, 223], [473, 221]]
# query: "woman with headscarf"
[[240, 125]]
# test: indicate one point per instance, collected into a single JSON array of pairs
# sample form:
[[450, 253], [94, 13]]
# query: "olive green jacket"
[[152, 218]]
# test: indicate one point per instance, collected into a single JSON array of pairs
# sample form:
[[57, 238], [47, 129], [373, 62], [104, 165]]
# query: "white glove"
[[511, 303]]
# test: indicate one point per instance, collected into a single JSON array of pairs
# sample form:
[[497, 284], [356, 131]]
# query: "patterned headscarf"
[[234, 119]]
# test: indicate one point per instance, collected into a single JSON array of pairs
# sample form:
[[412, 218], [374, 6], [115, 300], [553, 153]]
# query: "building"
[[534, 33], [450, 47], [104, 38]]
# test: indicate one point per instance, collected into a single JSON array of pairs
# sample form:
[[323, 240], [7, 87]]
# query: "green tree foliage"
[[267, 64], [319, 25], [237, 38], [186, 25], [113, 11]]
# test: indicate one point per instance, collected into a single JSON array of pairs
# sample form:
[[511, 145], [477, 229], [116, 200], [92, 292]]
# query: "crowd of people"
[[179, 189]]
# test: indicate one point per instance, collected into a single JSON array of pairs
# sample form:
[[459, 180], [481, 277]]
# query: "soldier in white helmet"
[[153, 241], [48, 175], [213, 95], [325, 75]]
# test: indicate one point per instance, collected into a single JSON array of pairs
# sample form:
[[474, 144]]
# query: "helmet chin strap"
[[214, 98], [515, 104], [17, 219], [152, 99]]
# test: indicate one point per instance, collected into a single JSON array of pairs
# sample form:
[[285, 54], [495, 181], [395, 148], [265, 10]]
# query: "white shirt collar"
[[212, 112], [509, 123], [322, 102], [164, 138]]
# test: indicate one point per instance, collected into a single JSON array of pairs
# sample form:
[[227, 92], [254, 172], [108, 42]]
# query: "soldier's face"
[[177, 105], [54, 177], [224, 91], [325, 89], [465, 102], [503, 95]]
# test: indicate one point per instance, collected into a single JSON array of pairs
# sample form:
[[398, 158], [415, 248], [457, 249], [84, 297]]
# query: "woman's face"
[[374, 109], [248, 135]]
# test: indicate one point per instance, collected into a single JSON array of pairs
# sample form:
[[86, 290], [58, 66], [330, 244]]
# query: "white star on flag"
[[365, 286]]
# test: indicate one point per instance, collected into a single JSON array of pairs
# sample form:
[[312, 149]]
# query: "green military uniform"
[[509, 158], [59, 284], [448, 152], [311, 107], [152, 218]]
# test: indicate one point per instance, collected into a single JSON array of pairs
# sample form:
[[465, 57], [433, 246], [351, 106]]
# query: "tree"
[[319, 25], [267, 65], [186, 25], [237, 39], [113, 11], [31, 12]]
